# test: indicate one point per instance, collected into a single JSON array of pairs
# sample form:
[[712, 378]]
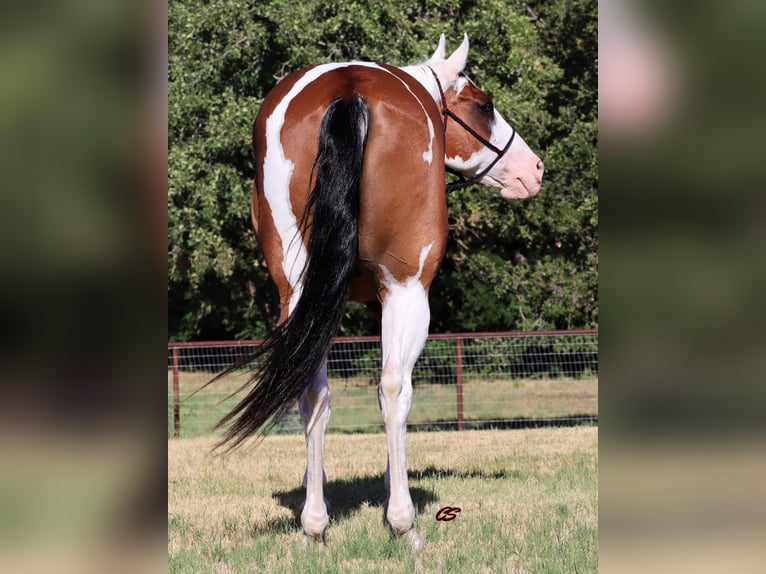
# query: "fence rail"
[[466, 380]]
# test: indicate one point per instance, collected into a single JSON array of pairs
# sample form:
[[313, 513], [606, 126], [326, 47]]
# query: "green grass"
[[529, 502], [355, 405]]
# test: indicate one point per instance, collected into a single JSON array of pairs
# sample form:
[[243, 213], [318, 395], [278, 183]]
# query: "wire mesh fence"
[[476, 380]]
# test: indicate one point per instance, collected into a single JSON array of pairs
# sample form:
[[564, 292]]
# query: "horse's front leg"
[[404, 329], [314, 408]]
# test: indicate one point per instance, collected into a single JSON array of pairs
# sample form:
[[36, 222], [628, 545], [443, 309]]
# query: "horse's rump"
[[402, 187]]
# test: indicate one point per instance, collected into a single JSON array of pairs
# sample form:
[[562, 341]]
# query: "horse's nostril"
[[540, 165]]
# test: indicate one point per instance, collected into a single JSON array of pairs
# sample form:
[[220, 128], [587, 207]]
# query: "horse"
[[349, 203]]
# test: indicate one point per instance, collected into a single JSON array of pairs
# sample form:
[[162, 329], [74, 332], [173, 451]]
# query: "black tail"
[[295, 351]]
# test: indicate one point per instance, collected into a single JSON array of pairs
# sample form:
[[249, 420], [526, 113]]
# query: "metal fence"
[[469, 380]]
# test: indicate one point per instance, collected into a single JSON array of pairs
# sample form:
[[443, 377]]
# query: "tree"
[[509, 265]]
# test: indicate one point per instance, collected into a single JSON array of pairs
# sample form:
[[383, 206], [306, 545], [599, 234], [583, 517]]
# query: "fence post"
[[176, 397], [459, 351]]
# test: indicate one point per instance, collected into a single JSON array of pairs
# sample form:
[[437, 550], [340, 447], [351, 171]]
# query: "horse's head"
[[479, 142]]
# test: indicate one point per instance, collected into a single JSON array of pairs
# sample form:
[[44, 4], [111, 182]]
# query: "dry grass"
[[528, 499]]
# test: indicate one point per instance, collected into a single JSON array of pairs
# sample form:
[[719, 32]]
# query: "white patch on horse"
[[410, 289], [428, 156], [404, 330], [461, 83], [499, 136], [277, 171], [389, 279], [471, 164]]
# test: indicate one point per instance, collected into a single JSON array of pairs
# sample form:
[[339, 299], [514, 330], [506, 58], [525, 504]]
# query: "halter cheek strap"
[[499, 153]]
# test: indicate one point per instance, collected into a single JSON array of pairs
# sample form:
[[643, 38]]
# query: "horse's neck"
[[423, 75]]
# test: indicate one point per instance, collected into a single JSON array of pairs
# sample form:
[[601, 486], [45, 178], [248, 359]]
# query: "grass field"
[[529, 501], [355, 404]]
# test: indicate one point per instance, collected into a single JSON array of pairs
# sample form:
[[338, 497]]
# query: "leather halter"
[[499, 153]]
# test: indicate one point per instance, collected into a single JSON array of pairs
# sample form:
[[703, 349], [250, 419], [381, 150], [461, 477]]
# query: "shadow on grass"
[[347, 496], [572, 420], [281, 525], [434, 472], [507, 424]]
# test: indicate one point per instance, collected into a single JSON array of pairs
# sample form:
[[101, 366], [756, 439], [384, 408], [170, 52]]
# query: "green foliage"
[[525, 265], [529, 358]]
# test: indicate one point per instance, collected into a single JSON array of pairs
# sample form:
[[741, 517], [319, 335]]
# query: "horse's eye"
[[487, 107]]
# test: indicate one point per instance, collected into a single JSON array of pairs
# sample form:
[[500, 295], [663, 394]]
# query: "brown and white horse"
[[349, 203]]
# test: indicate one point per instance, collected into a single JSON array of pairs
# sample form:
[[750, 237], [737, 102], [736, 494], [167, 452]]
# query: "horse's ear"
[[456, 62], [440, 54]]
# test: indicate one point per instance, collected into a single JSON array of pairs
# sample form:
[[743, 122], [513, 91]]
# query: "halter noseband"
[[499, 153]]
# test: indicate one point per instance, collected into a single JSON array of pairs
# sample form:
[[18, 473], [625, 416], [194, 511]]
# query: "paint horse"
[[349, 203]]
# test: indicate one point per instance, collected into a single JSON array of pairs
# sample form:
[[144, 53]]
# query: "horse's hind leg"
[[404, 329], [314, 408]]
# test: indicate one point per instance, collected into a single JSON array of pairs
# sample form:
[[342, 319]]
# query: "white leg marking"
[[404, 329], [314, 407]]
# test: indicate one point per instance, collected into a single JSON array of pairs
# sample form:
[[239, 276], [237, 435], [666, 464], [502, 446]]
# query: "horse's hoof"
[[311, 540], [413, 538]]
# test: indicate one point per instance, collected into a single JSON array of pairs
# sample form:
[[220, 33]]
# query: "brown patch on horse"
[[403, 206], [475, 107], [393, 226]]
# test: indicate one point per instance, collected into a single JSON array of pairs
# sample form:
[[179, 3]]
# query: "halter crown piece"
[[499, 153]]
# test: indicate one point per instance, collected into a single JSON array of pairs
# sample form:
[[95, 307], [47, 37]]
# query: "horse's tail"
[[294, 353]]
